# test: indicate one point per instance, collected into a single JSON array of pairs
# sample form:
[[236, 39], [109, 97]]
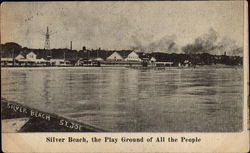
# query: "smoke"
[[211, 43], [202, 44], [165, 44], [229, 46]]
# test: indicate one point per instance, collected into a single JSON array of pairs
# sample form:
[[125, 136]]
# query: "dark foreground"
[[38, 121]]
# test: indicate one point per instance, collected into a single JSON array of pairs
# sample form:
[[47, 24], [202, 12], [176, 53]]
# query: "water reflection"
[[121, 99]]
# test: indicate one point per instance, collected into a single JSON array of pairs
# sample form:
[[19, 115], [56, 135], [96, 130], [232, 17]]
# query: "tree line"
[[11, 50]]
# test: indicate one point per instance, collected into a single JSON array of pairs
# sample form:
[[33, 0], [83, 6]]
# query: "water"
[[130, 100]]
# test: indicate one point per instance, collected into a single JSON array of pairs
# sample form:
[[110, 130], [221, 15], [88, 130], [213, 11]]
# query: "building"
[[21, 60], [186, 63], [124, 55], [132, 56], [31, 56], [152, 59], [115, 56], [164, 64], [19, 57], [7, 61], [59, 62], [41, 62], [30, 59]]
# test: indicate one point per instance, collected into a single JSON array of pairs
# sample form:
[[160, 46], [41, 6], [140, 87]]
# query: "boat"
[[20, 118]]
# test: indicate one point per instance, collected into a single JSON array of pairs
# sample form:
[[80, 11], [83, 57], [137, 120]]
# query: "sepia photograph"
[[121, 67]]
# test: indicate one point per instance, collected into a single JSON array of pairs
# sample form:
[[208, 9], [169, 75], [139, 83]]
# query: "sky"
[[118, 25]]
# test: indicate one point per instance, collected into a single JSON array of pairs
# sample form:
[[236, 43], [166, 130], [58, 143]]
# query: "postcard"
[[125, 76]]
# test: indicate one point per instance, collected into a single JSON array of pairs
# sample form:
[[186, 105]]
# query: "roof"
[[98, 59], [124, 53], [164, 62], [153, 59], [7, 59], [23, 60], [39, 53], [41, 60], [20, 55], [92, 54], [55, 59]]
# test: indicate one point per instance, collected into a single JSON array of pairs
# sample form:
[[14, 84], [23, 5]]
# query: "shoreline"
[[133, 67]]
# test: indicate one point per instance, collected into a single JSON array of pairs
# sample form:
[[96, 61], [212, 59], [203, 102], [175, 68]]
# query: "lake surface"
[[131, 100]]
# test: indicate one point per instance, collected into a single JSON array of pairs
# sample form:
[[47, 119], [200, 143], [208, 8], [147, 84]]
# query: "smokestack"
[[70, 45]]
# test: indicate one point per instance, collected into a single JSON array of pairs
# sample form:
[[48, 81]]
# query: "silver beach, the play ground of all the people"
[[122, 67]]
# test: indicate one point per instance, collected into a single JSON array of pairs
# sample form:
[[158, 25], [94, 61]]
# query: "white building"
[[20, 57], [59, 62], [115, 57], [152, 59], [31, 56], [133, 56], [124, 55], [30, 59]]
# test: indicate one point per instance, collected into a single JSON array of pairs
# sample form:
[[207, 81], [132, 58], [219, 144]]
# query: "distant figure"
[[98, 64], [179, 65], [144, 63]]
